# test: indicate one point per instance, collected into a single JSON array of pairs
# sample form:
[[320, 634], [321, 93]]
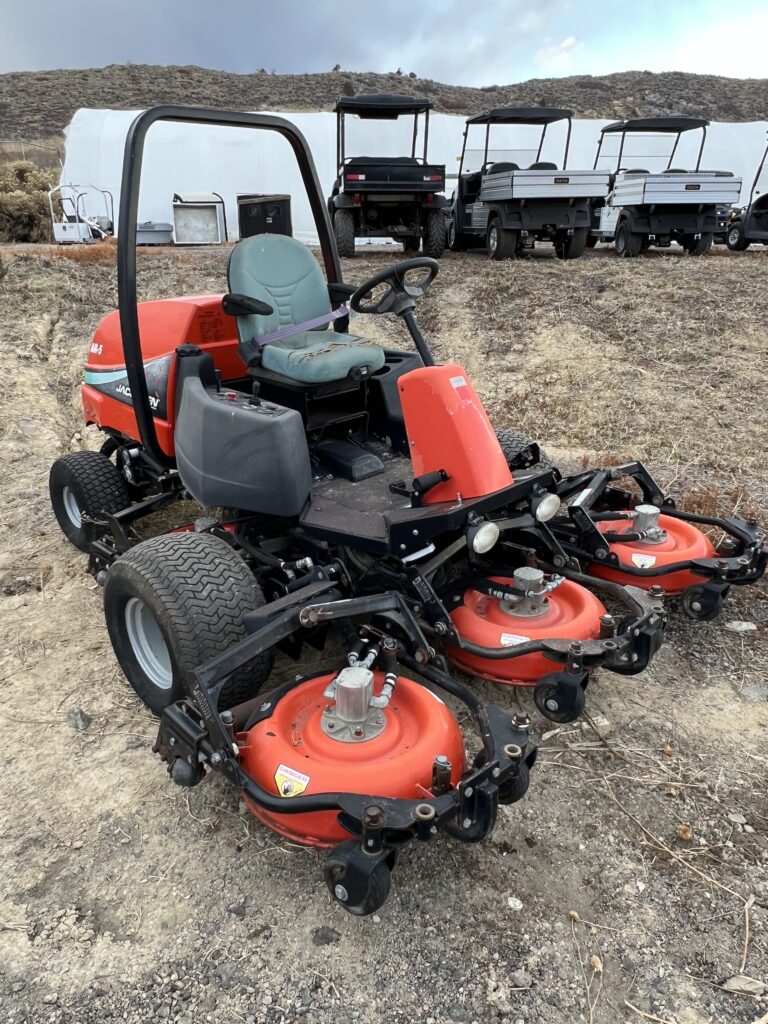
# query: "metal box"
[[199, 219], [264, 215]]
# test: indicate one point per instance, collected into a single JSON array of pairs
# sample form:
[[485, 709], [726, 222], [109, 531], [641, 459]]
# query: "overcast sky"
[[468, 42]]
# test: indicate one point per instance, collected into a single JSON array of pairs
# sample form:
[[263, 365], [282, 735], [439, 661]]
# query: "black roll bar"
[[126, 241]]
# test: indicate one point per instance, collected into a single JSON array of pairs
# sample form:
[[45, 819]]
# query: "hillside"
[[38, 104]]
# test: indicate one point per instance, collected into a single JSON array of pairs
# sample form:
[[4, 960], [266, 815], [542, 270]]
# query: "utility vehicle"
[[71, 223], [645, 208], [357, 494], [507, 199], [749, 224], [388, 196]]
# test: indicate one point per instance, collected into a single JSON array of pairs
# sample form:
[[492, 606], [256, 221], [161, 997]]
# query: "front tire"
[[344, 230], [735, 237], [83, 486], [457, 242], [698, 246], [513, 444], [570, 247], [500, 242], [627, 243], [435, 235], [172, 604]]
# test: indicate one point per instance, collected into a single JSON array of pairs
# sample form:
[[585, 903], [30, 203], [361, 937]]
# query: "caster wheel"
[[560, 699], [702, 602], [514, 790], [358, 885]]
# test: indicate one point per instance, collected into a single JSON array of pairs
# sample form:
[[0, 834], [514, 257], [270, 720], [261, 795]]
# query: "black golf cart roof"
[[382, 106], [655, 124], [521, 115]]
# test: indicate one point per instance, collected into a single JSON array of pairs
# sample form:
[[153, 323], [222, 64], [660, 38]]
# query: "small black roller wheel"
[[558, 702], [570, 247], [702, 602], [360, 893], [513, 444], [82, 486], [173, 603], [435, 235], [515, 789], [344, 230], [500, 242], [735, 236]]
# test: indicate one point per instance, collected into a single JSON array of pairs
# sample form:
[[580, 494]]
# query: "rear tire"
[[570, 247], [411, 243], [344, 230], [172, 604], [627, 243], [698, 246], [735, 237], [82, 486], [513, 443], [435, 235], [500, 242]]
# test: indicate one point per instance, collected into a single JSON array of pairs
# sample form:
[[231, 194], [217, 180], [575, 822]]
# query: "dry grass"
[[24, 212]]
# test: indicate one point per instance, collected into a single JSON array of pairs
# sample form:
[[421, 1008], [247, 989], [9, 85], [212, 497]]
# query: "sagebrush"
[[24, 212]]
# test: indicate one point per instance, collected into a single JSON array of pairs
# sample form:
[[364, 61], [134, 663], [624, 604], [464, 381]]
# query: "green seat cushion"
[[314, 357]]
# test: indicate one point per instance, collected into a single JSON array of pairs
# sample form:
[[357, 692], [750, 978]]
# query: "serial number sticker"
[[644, 561], [289, 781], [512, 639], [458, 382]]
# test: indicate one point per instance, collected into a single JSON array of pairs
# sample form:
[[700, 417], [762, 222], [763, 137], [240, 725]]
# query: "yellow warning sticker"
[[289, 781]]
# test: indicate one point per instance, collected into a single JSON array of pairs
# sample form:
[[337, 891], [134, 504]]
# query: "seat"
[[282, 272], [501, 166], [543, 165]]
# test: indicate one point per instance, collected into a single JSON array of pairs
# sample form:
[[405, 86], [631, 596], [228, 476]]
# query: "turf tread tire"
[[344, 230], [435, 235], [632, 243], [740, 242], [98, 487], [506, 247], [513, 443], [198, 589], [570, 247]]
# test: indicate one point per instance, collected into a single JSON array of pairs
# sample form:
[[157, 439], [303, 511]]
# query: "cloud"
[[558, 59]]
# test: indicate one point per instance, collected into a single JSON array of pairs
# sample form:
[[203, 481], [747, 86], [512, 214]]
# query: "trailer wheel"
[[627, 243], [411, 243], [500, 242], [513, 444], [172, 604], [735, 237], [434, 236], [698, 246], [570, 247], [82, 486], [344, 230]]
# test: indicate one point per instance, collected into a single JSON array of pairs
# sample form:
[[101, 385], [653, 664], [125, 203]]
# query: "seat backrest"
[[281, 271], [543, 165], [501, 165]]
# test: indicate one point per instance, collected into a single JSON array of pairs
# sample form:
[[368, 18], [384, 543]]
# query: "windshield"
[[649, 151], [521, 144], [367, 137]]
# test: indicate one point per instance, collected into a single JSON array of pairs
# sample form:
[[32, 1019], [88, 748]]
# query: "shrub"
[[24, 213], [348, 88]]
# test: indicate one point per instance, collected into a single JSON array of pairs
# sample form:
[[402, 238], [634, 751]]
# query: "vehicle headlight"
[[546, 508], [482, 538]]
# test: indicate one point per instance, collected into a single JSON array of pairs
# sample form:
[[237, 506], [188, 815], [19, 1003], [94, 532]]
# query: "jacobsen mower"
[[352, 492]]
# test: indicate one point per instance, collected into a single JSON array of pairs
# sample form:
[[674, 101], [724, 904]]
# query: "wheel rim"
[[493, 238], [71, 507], [148, 643], [733, 236]]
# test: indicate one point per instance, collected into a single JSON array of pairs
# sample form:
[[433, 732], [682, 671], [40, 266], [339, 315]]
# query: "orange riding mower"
[[361, 760]]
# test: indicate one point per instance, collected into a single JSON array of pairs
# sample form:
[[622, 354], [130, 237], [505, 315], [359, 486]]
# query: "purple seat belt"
[[290, 329]]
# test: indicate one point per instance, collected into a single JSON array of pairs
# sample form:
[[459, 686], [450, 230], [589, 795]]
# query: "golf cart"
[[74, 224], [645, 208], [750, 223], [508, 198], [387, 196]]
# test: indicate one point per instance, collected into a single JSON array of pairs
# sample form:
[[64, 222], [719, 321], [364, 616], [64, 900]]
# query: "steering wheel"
[[405, 282]]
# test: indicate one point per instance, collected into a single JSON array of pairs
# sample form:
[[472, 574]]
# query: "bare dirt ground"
[[630, 884]]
